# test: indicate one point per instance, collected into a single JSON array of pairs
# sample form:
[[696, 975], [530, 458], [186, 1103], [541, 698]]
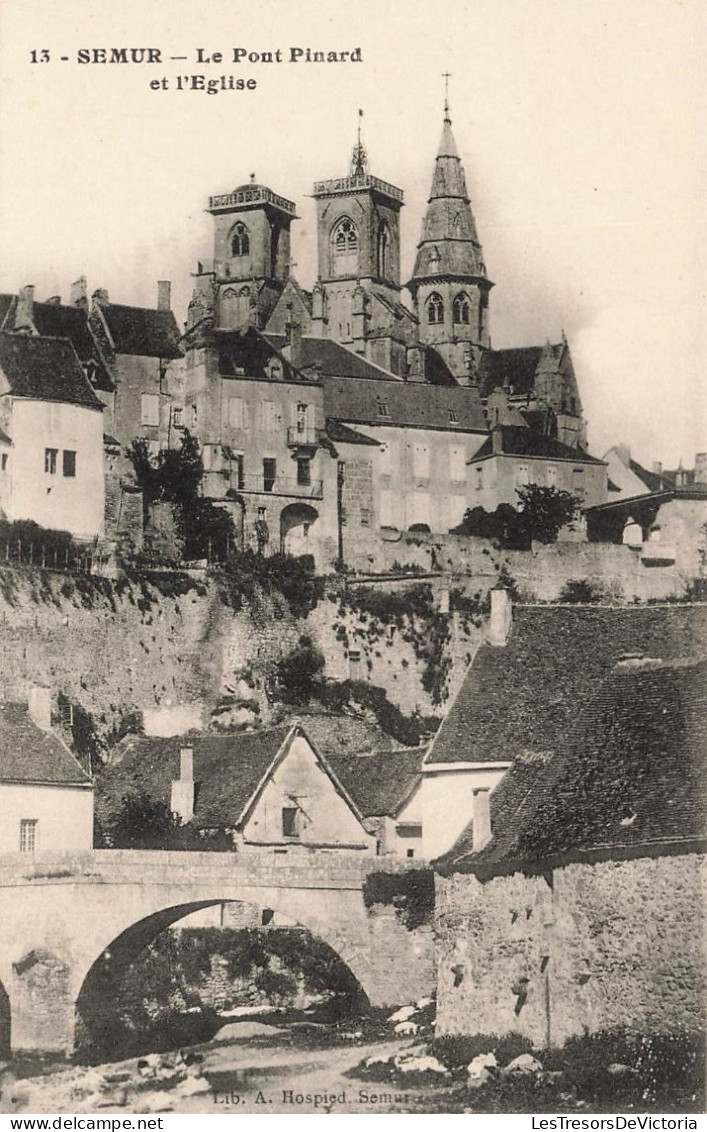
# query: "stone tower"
[[251, 263], [358, 232], [449, 285]]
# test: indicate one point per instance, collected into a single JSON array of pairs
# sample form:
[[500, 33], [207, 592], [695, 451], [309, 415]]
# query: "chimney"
[[501, 618], [624, 454], [657, 468], [680, 477], [701, 468], [183, 788], [100, 298], [53, 301], [25, 307], [79, 293], [497, 440], [39, 703], [481, 818], [164, 295]]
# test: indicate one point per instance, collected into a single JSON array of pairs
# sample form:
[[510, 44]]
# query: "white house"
[[46, 798], [51, 437]]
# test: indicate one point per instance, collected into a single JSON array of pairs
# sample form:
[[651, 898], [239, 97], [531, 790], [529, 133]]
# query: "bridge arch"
[[101, 982]]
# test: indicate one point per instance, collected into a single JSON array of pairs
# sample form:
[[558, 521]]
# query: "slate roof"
[[410, 404], [143, 331], [522, 441], [45, 369], [251, 354], [227, 768], [56, 321], [30, 755], [524, 698], [380, 783], [629, 778], [332, 359], [342, 434], [7, 302]]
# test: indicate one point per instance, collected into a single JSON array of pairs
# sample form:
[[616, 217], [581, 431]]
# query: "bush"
[[457, 1050], [545, 510], [503, 525], [143, 822], [579, 591], [298, 674], [246, 573], [409, 730], [412, 894]]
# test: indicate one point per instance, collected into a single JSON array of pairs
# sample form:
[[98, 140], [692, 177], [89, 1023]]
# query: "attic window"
[[290, 821], [453, 419], [383, 410]]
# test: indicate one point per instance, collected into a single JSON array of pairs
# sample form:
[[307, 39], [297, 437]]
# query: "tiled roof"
[[517, 441], [45, 369], [629, 777], [332, 359], [227, 768], [143, 331], [411, 404], [524, 697], [250, 355], [380, 783], [56, 321], [30, 755]]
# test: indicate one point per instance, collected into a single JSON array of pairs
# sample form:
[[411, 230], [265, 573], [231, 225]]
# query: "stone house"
[[572, 902], [51, 448], [268, 789], [46, 797]]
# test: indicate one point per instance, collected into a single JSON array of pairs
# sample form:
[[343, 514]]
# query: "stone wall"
[[593, 947]]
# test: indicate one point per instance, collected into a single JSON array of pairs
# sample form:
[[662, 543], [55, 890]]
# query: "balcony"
[[258, 484], [257, 194], [354, 184], [304, 436]]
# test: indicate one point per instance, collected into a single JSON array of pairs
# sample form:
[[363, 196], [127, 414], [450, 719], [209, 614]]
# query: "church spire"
[[359, 157]]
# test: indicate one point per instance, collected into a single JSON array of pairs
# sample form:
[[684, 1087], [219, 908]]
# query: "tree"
[[545, 510]]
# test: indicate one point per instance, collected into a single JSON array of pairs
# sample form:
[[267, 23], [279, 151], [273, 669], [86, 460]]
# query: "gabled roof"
[[229, 769], [628, 779], [342, 434], [7, 306], [380, 783], [524, 441], [332, 359], [45, 369], [410, 404], [524, 698], [30, 755], [53, 320], [250, 354], [142, 331]]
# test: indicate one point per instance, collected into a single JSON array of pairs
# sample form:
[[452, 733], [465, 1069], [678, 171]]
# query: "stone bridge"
[[69, 924]]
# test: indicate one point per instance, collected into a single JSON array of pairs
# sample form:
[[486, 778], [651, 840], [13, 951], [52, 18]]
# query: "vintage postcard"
[[353, 535]]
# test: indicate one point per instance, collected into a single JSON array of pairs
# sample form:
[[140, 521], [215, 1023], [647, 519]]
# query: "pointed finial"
[[446, 76], [359, 158], [252, 178]]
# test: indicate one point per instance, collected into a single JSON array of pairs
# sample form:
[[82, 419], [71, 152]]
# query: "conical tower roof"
[[449, 244]]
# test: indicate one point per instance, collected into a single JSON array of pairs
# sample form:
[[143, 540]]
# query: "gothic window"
[[344, 246], [461, 309], [435, 309], [383, 250], [240, 240]]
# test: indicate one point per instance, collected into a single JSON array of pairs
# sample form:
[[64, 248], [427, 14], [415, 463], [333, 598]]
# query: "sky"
[[581, 127]]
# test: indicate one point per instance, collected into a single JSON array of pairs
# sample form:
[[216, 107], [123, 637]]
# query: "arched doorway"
[[296, 521], [148, 991]]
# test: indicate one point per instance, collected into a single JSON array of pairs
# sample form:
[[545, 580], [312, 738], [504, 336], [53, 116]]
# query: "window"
[[389, 515], [68, 462], [28, 835], [238, 470], [435, 309], [551, 475], [344, 247], [290, 821], [522, 475], [304, 473], [355, 669], [3, 462], [177, 413], [419, 509], [269, 416], [149, 409], [301, 417], [479, 477], [238, 412], [457, 465], [388, 456], [461, 310], [383, 410], [269, 473], [410, 853], [421, 460], [383, 250], [240, 240], [50, 456], [453, 418]]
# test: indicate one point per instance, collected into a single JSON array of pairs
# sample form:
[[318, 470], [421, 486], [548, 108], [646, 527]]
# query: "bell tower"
[[251, 263], [358, 233], [449, 285]]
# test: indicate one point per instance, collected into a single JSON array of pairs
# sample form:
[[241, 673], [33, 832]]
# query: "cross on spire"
[[359, 158], [446, 76]]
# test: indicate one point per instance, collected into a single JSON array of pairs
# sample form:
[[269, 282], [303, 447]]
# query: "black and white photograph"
[[353, 556]]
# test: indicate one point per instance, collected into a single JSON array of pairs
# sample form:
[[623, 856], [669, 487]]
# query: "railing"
[[40, 556], [279, 485], [359, 181], [305, 435], [250, 196]]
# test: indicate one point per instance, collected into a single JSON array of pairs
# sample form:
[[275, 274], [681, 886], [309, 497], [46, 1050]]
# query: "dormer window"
[[240, 240], [383, 410], [435, 309]]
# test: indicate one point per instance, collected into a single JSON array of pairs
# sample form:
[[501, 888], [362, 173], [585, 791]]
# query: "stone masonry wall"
[[613, 944]]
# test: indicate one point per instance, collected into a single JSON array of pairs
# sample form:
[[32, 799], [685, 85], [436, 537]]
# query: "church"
[[332, 415]]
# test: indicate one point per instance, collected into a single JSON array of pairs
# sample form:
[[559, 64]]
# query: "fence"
[[67, 559]]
